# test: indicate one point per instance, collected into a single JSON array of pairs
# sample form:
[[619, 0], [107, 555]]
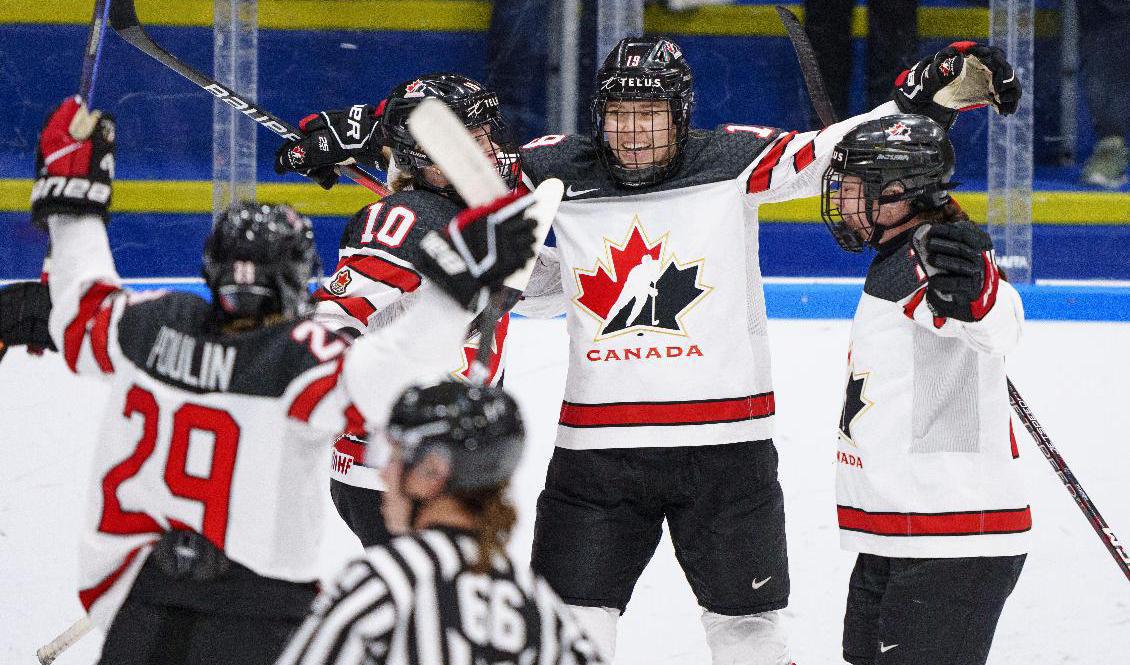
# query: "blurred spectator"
[[1104, 48], [892, 44], [517, 62]]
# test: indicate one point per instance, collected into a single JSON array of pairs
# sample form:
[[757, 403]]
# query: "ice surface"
[[1072, 605]]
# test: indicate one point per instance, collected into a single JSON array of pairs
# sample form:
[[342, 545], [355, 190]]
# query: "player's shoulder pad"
[[408, 211], [572, 158], [894, 275], [730, 148]]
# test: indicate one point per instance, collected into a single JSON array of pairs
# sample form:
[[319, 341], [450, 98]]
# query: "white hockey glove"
[[960, 77]]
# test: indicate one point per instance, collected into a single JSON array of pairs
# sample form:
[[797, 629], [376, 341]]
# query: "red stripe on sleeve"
[[351, 447], [359, 308], [91, 595], [973, 523], [914, 302], [354, 421], [762, 175], [75, 331], [805, 156], [313, 394], [385, 272], [100, 340]]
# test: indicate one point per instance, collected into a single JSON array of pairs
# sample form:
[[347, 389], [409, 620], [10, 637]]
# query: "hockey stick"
[[124, 21], [809, 69], [448, 143], [1116, 549], [50, 651]]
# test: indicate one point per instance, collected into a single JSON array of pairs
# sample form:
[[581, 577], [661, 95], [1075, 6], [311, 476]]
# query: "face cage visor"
[[640, 146], [864, 208], [497, 144]]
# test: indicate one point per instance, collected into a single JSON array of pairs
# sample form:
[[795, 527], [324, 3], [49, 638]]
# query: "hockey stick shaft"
[[809, 69], [124, 21], [50, 651], [1116, 549]]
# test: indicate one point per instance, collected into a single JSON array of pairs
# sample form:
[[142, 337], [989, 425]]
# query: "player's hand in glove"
[[24, 310], [74, 164], [479, 249], [960, 77], [963, 277], [331, 138]]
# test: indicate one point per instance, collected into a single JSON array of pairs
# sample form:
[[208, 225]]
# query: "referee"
[[445, 592]]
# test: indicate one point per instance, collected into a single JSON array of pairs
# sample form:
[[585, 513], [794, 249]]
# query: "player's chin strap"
[[928, 198]]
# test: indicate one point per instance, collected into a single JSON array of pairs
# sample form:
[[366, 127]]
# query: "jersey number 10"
[[212, 491]]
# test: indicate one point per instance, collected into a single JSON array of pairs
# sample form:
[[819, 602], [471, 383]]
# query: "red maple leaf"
[[600, 288]]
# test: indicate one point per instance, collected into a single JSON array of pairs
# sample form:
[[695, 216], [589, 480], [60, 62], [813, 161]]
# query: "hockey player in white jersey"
[[928, 482], [376, 278], [444, 590], [671, 418], [205, 504]]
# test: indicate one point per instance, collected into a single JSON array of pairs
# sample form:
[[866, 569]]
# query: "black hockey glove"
[[74, 164], [960, 77], [963, 276], [479, 249], [24, 310], [331, 138]]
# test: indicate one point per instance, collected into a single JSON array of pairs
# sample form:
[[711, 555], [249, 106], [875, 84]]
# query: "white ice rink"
[[1072, 604]]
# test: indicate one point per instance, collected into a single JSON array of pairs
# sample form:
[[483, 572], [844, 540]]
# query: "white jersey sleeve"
[[544, 297], [996, 334]]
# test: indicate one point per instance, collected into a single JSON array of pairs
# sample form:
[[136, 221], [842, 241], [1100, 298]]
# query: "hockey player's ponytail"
[[946, 214], [495, 517]]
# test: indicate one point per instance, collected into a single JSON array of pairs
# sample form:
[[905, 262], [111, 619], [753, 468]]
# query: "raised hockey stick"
[[809, 69], [448, 143], [124, 21], [50, 651], [1116, 549]]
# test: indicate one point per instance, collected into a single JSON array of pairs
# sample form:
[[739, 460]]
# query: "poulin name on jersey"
[[640, 287], [174, 356]]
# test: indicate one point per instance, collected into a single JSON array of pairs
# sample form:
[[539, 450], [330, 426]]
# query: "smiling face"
[[640, 133]]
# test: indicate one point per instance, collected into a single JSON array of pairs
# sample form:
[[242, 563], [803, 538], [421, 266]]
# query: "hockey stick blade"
[[124, 21], [50, 651], [448, 143], [1059, 465], [809, 69]]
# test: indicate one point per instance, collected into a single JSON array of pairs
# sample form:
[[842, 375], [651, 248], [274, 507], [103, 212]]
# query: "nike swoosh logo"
[[758, 585], [884, 648], [570, 192]]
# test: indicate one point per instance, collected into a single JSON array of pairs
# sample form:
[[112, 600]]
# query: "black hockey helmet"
[[910, 151], [643, 69], [478, 428], [476, 106], [259, 260]]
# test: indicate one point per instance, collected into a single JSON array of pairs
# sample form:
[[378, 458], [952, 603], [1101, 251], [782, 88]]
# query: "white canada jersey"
[[222, 434], [661, 286], [927, 462]]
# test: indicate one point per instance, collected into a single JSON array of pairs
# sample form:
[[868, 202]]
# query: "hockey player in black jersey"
[[376, 277], [668, 409], [204, 505], [928, 482], [444, 590]]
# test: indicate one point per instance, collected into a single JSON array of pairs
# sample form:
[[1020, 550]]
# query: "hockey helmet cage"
[[259, 260], [478, 428], [476, 105], [911, 151], [644, 69]]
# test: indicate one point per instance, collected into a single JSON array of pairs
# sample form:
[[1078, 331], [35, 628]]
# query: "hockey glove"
[[960, 77], [479, 249], [74, 164], [963, 277], [331, 138], [24, 309]]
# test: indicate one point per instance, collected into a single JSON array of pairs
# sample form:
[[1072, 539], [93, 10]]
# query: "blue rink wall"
[[165, 130]]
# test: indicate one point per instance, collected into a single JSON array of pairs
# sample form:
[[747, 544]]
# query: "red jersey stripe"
[[973, 523], [805, 156], [762, 175], [351, 447], [99, 340], [75, 331], [359, 308], [312, 394], [698, 412], [385, 272], [91, 595], [354, 421]]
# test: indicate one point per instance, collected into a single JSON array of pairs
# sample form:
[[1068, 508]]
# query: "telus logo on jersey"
[[643, 287]]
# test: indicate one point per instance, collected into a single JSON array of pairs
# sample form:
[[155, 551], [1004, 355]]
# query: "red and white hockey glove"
[[332, 138], [960, 77], [963, 276], [479, 249], [74, 164]]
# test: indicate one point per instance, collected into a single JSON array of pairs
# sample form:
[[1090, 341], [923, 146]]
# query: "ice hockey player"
[[201, 540], [376, 276], [928, 482], [668, 410], [445, 591]]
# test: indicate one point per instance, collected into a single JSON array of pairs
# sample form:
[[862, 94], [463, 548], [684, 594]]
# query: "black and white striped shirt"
[[417, 602]]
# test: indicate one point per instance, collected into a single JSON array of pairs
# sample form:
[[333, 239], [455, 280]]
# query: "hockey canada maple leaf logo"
[[855, 401], [340, 283], [640, 287]]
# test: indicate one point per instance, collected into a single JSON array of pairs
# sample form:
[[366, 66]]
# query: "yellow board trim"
[[195, 197], [474, 16]]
